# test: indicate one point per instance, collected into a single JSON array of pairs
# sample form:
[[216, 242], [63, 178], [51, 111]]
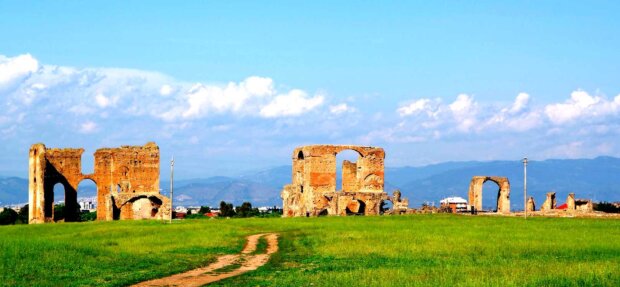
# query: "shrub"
[[8, 216]]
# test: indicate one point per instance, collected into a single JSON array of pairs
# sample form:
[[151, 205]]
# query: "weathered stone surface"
[[399, 205], [123, 176], [503, 193], [550, 202], [584, 206], [570, 202], [313, 189], [531, 205]]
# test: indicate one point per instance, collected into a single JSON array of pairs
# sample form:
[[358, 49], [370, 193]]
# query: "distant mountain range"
[[598, 179]]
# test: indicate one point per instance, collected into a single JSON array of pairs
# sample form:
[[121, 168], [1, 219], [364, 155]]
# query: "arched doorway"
[[55, 203], [356, 207], [87, 195], [490, 195]]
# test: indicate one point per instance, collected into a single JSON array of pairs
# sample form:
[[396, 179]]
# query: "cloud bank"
[[71, 106]]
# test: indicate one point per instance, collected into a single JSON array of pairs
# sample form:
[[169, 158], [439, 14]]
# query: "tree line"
[[9, 216]]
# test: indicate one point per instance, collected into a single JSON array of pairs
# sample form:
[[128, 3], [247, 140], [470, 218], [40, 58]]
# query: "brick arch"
[[503, 193]]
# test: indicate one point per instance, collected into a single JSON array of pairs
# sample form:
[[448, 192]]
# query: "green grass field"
[[419, 250]]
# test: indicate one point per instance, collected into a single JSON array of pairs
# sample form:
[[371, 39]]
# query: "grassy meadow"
[[416, 250]]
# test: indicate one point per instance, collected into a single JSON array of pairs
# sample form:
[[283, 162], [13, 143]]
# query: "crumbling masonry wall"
[[503, 194], [531, 204], [313, 189], [550, 202], [127, 180]]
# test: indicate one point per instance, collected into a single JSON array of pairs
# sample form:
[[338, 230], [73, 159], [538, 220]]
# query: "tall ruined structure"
[[313, 190], [127, 180], [503, 193]]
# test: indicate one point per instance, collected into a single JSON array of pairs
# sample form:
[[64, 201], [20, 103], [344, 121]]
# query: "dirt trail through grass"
[[224, 267]]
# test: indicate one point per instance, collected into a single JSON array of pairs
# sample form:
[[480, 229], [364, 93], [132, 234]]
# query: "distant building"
[[193, 210], [455, 203], [88, 204], [180, 209]]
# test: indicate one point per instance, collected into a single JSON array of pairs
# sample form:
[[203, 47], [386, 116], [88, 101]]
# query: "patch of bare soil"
[[224, 267]]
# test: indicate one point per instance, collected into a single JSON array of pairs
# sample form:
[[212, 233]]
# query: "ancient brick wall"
[[120, 174], [550, 202], [313, 190]]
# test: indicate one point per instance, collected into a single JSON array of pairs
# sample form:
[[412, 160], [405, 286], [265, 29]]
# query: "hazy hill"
[[589, 178]]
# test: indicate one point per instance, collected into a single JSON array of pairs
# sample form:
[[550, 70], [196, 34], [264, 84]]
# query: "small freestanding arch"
[[503, 194]]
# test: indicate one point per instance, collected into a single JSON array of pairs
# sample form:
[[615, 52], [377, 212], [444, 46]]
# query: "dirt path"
[[225, 266]]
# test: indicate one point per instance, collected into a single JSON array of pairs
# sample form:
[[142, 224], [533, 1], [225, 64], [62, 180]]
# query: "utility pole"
[[525, 186], [171, 187]]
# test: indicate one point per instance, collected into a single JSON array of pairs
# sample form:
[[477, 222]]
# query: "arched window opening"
[[346, 170], [87, 195]]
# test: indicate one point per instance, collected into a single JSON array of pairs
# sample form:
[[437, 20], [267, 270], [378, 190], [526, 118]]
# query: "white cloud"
[[103, 101], [88, 127], [517, 117], [295, 103], [233, 97], [464, 110], [165, 90], [416, 107], [581, 105], [129, 105], [520, 103], [15, 69], [340, 108], [136, 93]]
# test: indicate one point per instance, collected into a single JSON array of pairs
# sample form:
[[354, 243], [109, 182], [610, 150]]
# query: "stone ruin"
[[503, 193], [531, 205], [127, 180], [313, 190], [399, 205], [550, 202], [572, 205]]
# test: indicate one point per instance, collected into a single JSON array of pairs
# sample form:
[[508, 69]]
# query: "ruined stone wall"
[[36, 181], [120, 173], [503, 193], [531, 205], [128, 169], [584, 205], [549, 203], [570, 202], [313, 190], [349, 177]]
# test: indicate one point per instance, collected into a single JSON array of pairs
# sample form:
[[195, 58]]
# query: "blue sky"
[[230, 86]]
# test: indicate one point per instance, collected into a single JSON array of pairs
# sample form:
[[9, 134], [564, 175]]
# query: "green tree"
[[23, 214], [88, 216], [606, 207], [226, 209], [204, 209], [59, 212], [246, 210], [8, 216]]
